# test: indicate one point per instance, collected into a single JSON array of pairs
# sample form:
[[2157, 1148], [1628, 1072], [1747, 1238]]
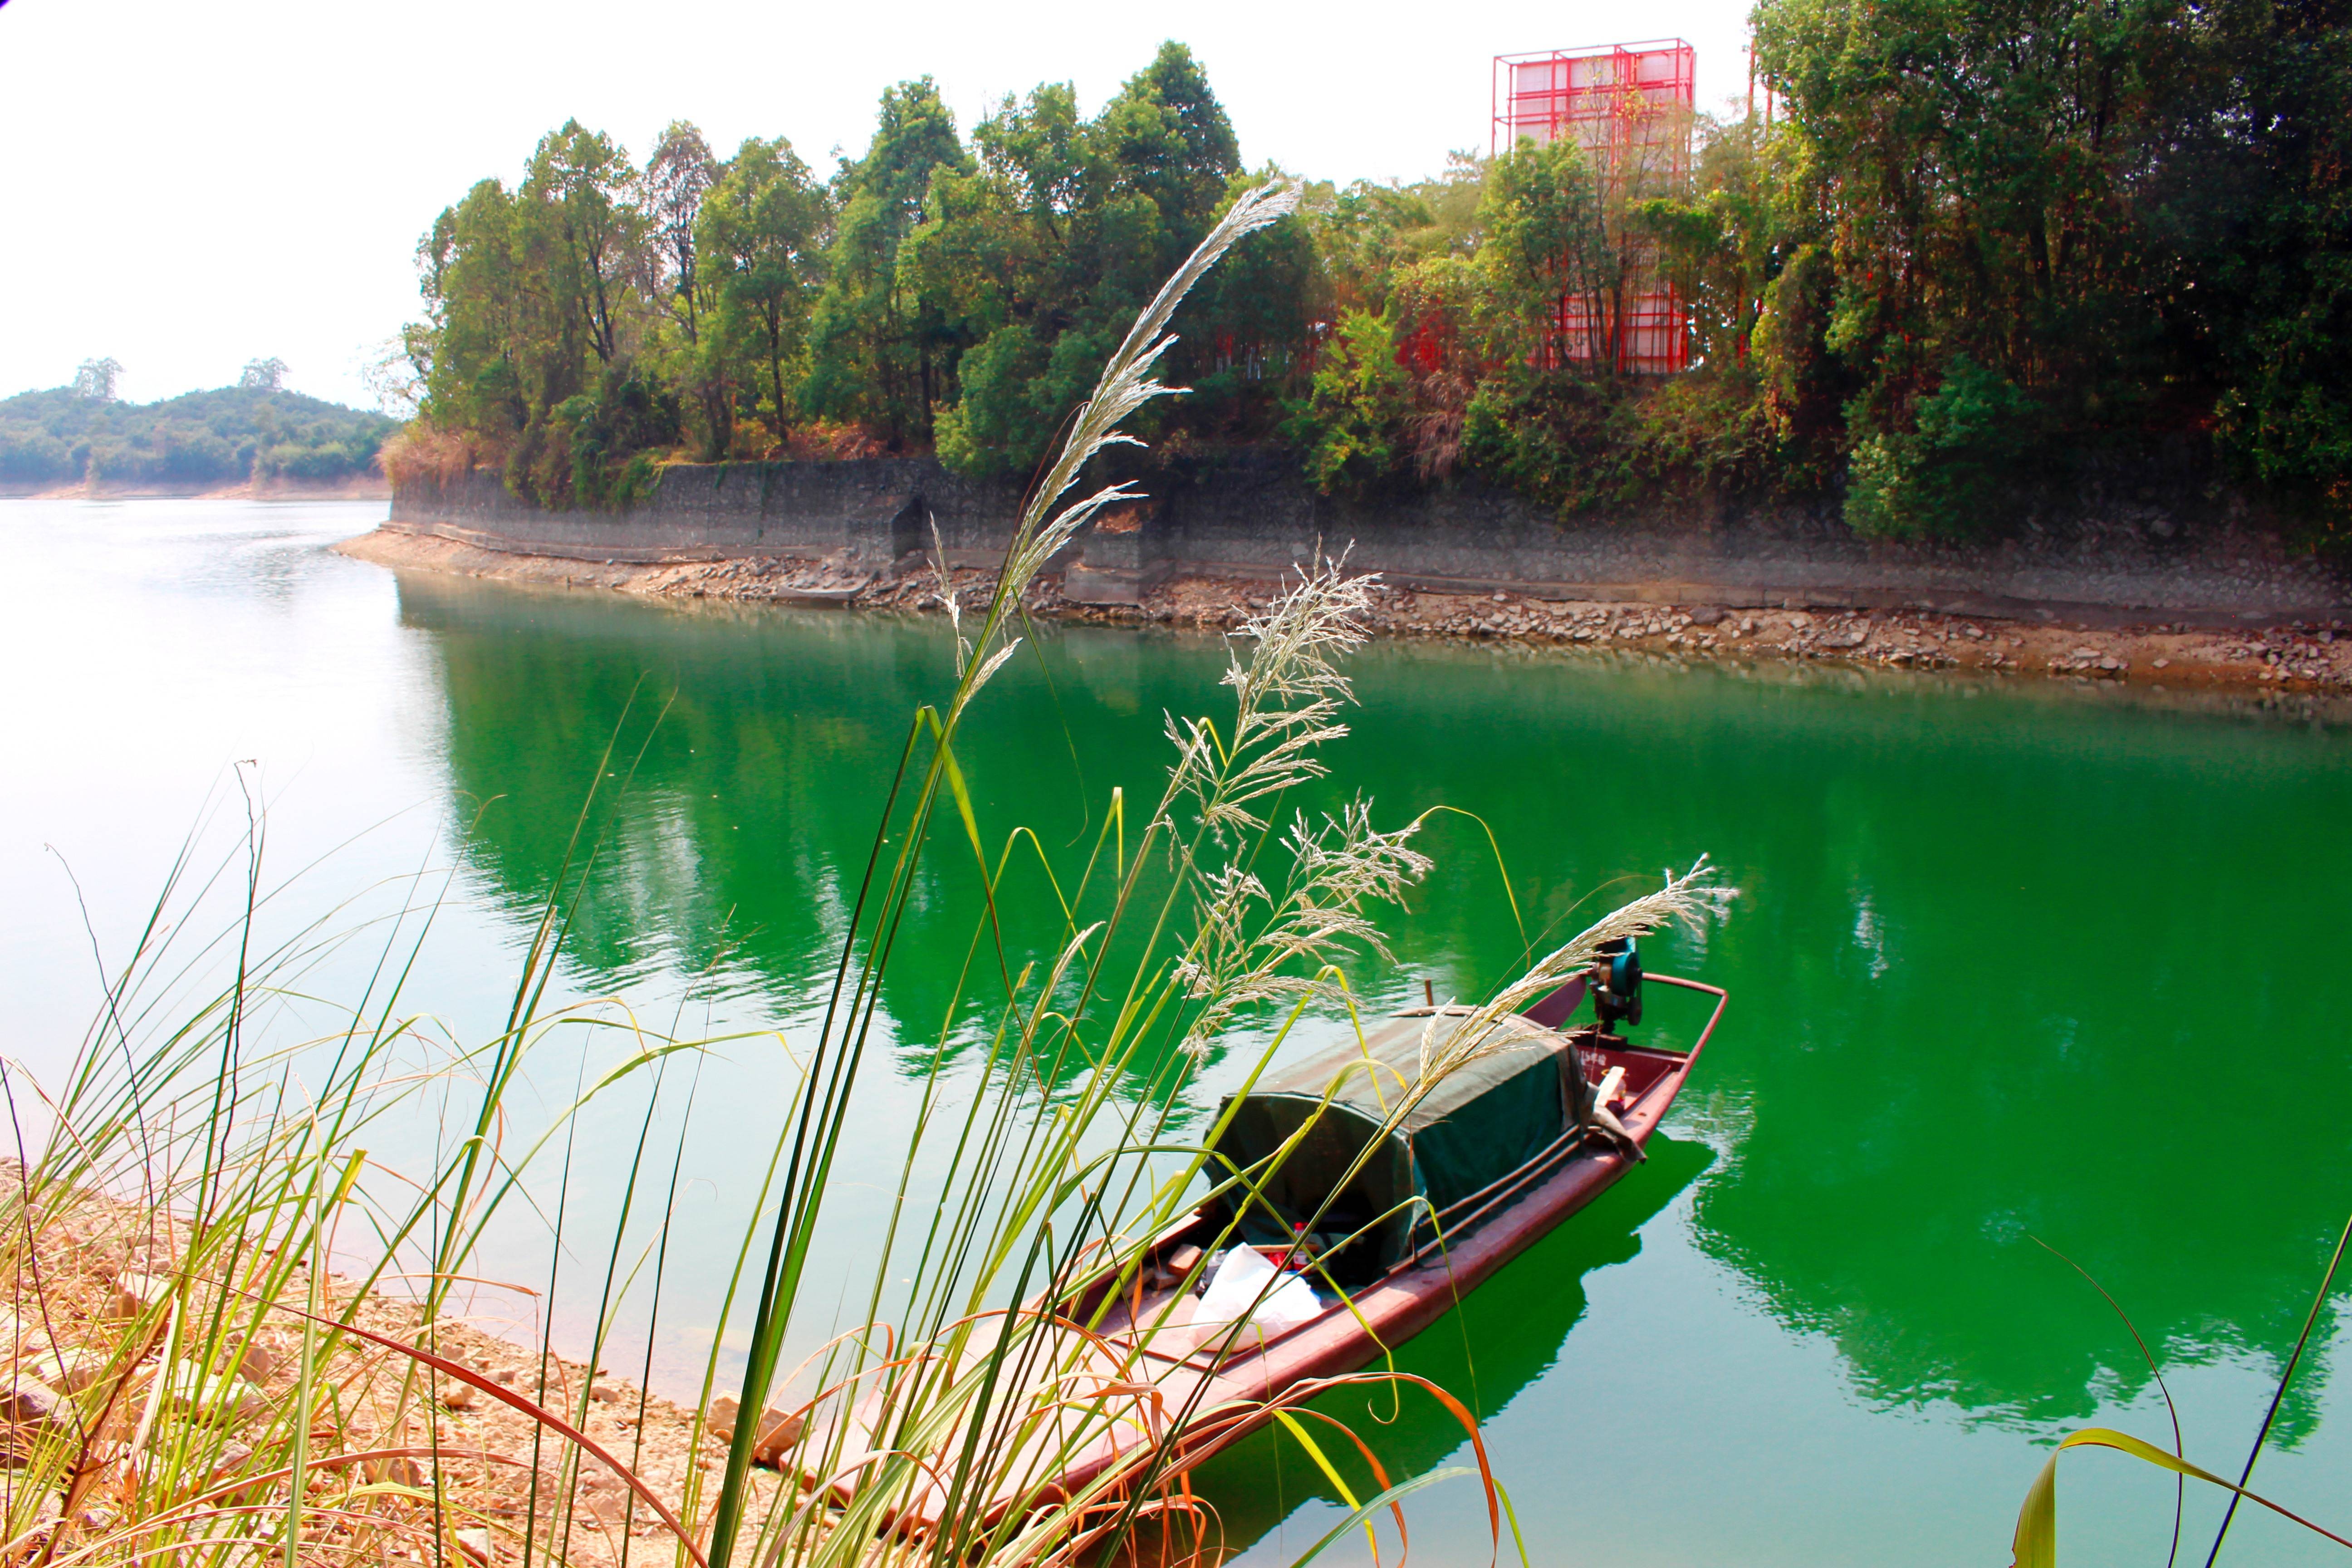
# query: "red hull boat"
[[1480, 1236], [1124, 1362]]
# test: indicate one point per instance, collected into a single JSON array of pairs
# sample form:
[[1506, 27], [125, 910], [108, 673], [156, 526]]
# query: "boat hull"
[[1401, 1305], [1207, 1390], [1407, 1300]]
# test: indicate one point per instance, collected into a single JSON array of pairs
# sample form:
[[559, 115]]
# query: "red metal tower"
[[1629, 106]]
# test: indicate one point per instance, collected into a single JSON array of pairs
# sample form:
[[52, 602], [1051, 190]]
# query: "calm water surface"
[[2017, 963]]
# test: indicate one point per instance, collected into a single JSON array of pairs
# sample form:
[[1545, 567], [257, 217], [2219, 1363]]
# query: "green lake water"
[[2011, 962]]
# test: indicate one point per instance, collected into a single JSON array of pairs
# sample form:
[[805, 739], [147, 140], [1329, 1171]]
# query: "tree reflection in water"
[[2035, 963]]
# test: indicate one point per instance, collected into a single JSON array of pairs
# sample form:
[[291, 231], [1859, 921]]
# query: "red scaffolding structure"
[[1629, 106]]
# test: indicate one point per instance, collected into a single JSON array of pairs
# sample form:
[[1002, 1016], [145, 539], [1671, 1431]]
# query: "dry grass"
[[421, 452], [830, 441], [395, 1458]]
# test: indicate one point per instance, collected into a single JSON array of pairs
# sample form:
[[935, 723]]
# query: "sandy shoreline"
[[2295, 657]]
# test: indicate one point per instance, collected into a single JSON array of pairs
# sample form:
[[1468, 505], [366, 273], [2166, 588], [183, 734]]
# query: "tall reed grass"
[[186, 1199], [196, 1379]]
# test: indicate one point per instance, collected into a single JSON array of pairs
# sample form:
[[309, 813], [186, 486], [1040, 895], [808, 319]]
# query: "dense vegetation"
[[1982, 249], [927, 293], [254, 431]]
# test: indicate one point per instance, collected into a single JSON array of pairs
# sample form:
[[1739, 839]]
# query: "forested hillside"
[[254, 431], [1977, 248]]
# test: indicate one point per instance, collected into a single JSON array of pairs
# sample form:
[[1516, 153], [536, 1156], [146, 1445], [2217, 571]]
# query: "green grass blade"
[[2035, 1544]]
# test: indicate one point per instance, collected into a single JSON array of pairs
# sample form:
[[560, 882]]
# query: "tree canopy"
[[254, 430], [1981, 245]]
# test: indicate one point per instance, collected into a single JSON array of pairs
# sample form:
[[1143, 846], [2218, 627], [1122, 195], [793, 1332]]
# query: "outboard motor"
[[1617, 983]]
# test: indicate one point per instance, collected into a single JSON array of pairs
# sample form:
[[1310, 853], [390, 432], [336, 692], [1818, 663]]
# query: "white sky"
[[186, 187]]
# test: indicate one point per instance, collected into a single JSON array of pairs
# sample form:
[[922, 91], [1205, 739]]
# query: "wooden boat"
[[1486, 1177]]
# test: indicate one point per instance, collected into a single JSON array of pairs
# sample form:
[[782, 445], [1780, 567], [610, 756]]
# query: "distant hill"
[[199, 440]]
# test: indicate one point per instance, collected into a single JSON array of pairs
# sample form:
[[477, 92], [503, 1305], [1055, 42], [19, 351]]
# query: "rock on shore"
[[2316, 657]]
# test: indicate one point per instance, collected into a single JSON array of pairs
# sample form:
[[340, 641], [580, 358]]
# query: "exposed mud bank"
[[2309, 655]]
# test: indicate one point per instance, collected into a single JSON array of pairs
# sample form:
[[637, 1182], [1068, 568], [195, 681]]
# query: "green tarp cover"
[[1483, 1121]]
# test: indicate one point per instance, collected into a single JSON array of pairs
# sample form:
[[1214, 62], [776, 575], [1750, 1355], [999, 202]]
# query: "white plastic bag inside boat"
[[1235, 1286]]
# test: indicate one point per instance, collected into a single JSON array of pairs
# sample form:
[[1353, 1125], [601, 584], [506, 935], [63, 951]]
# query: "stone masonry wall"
[[1255, 517]]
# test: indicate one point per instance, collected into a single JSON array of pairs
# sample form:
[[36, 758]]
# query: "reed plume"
[[968, 1365], [1125, 385], [1691, 899]]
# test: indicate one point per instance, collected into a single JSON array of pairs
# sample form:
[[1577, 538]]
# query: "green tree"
[[1987, 239], [199, 438], [1350, 424], [1368, 235], [762, 231], [996, 247], [1249, 329], [1545, 243], [1041, 151], [875, 351], [1167, 138], [1001, 267], [1942, 478], [480, 311], [95, 380], [536, 300], [583, 191], [579, 233], [1969, 167], [2258, 204], [1037, 257], [677, 180], [1722, 242]]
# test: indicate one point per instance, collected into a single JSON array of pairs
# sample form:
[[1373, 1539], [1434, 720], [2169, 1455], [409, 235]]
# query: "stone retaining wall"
[[872, 510], [1255, 517]]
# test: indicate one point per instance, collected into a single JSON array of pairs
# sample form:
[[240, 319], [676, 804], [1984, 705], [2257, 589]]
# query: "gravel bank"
[[2294, 657]]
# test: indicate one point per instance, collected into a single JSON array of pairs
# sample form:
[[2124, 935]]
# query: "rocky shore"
[[2296, 656]]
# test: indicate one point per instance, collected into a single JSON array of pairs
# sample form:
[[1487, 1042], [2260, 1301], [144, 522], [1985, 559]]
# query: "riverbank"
[[2287, 656], [403, 1463], [366, 486]]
